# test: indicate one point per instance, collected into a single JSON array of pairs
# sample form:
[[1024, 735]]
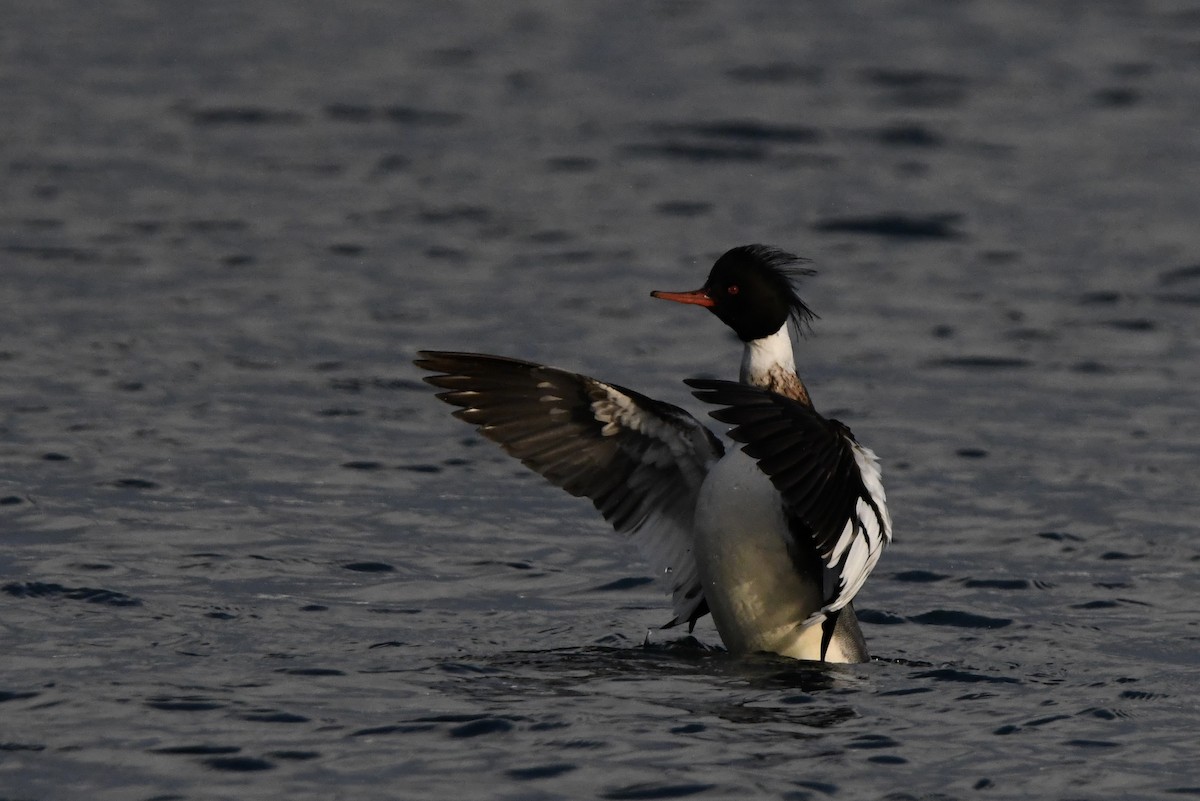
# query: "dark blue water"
[[247, 554]]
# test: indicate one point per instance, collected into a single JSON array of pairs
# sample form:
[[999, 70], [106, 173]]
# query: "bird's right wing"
[[640, 461], [830, 485]]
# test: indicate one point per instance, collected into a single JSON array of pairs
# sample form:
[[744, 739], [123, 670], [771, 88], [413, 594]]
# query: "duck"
[[773, 536]]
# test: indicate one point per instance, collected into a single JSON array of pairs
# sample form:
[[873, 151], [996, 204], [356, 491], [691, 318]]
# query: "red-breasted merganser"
[[774, 538]]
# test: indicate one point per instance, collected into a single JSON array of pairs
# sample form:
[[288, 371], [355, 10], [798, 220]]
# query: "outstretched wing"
[[831, 485], [640, 461]]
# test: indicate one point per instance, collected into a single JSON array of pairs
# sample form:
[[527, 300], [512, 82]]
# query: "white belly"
[[756, 595]]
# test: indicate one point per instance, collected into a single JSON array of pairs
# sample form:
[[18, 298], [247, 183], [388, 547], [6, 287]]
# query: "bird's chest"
[[749, 578], [739, 517]]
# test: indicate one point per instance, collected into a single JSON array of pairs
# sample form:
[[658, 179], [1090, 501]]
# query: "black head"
[[751, 289]]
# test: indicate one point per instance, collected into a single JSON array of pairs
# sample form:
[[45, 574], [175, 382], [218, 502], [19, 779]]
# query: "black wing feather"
[[830, 485], [640, 461]]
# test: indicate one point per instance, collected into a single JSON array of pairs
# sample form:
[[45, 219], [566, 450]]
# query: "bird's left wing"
[[640, 461], [830, 485]]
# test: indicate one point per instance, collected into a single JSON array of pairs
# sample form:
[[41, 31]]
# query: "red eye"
[[732, 289]]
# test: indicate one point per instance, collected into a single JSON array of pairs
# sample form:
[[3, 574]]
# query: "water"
[[247, 555]]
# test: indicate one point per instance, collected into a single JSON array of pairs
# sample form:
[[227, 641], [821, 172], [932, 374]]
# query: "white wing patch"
[[857, 550]]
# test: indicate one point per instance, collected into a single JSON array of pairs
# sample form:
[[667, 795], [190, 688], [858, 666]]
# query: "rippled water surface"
[[247, 555]]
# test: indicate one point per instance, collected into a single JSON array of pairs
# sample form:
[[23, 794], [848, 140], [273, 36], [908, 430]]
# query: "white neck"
[[766, 356], [768, 362]]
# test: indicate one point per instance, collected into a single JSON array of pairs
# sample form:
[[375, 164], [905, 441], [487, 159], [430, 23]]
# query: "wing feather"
[[831, 486], [640, 461]]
